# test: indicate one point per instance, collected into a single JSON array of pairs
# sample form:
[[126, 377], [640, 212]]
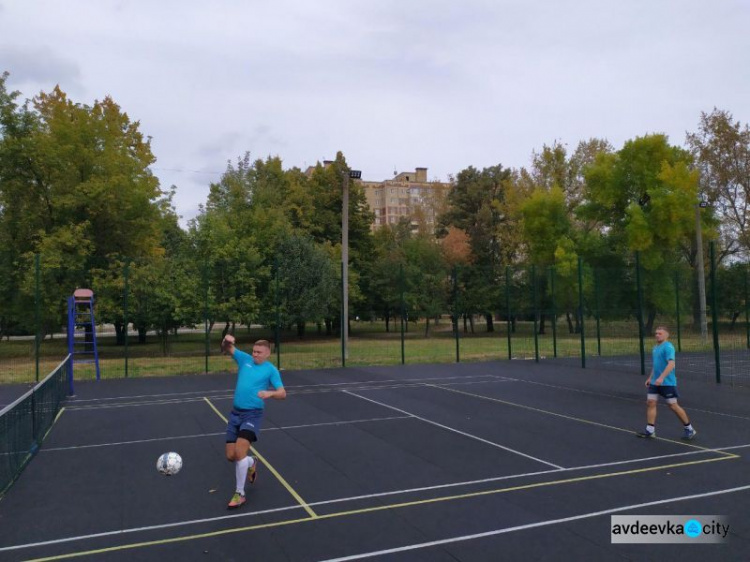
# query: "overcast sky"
[[394, 84]]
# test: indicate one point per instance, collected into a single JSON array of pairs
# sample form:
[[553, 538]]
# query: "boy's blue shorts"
[[245, 424], [669, 393]]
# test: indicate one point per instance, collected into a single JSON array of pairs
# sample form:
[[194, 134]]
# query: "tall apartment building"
[[408, 195]]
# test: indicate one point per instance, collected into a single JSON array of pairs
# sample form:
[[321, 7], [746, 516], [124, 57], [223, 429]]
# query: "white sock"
[[240, 473]]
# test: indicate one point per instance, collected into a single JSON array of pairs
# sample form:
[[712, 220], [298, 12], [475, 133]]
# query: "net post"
[[69, 371]]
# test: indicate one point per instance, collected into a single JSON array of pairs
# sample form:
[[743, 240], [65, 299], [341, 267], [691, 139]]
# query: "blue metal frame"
[[81, 315]]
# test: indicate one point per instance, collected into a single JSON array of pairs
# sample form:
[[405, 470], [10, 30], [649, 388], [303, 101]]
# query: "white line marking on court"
[[292, 387], [637, 400], [534, 525], [351, 499], [455, 430], [134, 442], [280, 428], [229, 396], [143, 529]]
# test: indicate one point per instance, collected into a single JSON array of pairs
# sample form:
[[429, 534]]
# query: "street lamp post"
[[353, 174], [701, 269]]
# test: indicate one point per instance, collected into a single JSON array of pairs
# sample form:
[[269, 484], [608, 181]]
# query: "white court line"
[[594, 393], [535, 525], [351, 499], [229, 396], [280, 428], [292, 387], [455, 430]]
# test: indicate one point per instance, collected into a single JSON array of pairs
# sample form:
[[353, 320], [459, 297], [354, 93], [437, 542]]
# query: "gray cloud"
[[436, 83], [40, 68]]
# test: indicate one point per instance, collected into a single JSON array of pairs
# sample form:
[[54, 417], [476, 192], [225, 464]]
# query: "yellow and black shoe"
[[252, 472]]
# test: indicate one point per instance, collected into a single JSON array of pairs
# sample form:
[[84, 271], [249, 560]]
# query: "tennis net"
[[25, 422]]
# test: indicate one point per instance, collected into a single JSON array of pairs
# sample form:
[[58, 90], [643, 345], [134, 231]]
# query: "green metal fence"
[[169, 321]]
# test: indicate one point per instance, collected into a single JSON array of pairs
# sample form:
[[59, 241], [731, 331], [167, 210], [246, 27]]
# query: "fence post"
[[277, 298], [342, 316], [206, 331], [403, 312], [534, 296], [554, 311], [507, 308], [714, 313], [125, 273], [639, 286], [455, 312], [37, 311], [598, 315], [747, 313], [677, 308], [580, 312]]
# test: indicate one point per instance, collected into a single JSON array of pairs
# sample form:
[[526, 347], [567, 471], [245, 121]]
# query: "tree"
[[721, 148], [308, 282], [76, 188], [643, 198]]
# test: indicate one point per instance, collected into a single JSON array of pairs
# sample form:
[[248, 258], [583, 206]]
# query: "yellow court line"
[[582, 420], [373, 509], [57, 417], [278, 476]]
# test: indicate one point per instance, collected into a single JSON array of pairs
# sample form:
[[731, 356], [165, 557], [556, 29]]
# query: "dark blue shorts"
[[245, 424], [669, 393]]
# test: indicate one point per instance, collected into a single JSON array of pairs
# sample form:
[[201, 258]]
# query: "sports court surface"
[[472, 461]]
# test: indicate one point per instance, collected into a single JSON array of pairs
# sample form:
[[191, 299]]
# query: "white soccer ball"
[[169, 464]]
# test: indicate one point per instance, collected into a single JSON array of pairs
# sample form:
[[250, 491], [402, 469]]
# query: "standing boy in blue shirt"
[[254, 378], [663, 382]]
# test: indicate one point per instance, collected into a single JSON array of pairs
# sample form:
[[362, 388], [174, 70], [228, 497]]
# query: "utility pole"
[[353, 174]]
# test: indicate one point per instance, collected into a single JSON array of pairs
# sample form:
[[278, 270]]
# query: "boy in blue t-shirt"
[[663, 382], [254, 378]]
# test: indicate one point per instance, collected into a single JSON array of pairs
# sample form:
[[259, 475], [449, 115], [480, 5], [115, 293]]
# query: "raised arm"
[[227, 345]]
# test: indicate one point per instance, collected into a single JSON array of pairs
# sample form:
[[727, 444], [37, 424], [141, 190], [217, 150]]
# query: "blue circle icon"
[[693, 528]]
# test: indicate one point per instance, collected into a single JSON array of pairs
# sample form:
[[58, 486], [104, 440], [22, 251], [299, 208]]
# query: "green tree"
[[643, 198], [721, 148], [76, 188], [308, 282]]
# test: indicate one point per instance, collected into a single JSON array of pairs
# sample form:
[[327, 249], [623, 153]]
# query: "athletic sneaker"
[[646, 434], [689, 434], [252, 472], [236, 501]]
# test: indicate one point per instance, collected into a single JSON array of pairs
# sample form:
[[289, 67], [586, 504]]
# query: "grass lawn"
[[369, 344]]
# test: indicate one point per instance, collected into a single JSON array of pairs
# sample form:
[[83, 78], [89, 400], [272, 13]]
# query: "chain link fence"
[[154, 318]]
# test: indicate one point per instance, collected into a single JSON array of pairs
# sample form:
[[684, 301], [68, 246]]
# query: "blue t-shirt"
[[253, 378], [662, 354]]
